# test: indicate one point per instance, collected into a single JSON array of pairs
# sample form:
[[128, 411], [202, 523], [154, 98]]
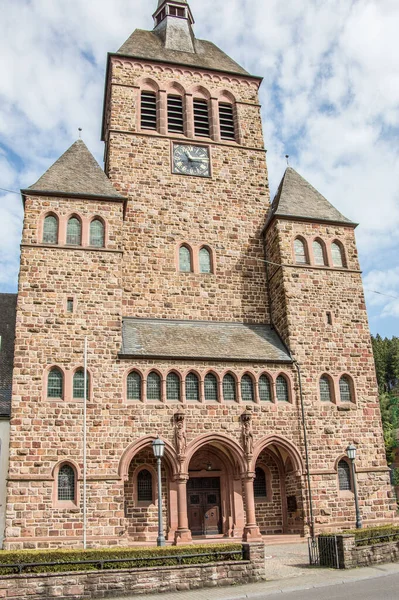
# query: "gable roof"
[[76, 172], [295, 197], [8, 308], [148, 45]]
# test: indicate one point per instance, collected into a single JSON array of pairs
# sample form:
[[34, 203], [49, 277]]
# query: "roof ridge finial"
[[287, 156], [80, 132]]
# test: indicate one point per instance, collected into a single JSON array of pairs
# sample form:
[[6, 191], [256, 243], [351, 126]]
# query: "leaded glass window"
[[74, 232], [229, 388], [144, 486], [247, 389], [260, 489], [300, 252], [192, 388], [55, 384], [97, 233], [344, 476], [50, 230], [325, 389], [282, 389], [336, 253], [66, 484], [265, 394], [173, 387], [211, 387], [184, 259], [345, 391], [134, 386], [78, 384], [205, 261], [318, 254], [153, 386]]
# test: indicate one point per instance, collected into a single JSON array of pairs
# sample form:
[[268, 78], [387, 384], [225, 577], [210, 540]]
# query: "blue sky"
[[330, 100]]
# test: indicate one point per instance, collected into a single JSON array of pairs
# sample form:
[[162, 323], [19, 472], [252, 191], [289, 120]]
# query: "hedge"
[[62, 557], [371, 535]]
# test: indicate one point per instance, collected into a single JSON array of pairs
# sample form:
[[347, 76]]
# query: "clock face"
[[191, 160]]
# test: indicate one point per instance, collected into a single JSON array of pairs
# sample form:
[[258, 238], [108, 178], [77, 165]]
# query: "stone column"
[[214, 120], [163, 112], [183, 534], [189, 116], [251, 530]]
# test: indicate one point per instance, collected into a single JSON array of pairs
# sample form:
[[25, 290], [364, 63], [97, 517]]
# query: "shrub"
[[166, 556], [371, 535]]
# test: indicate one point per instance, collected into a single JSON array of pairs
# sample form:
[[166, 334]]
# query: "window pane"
[[144, 486], [336, 254], [50, 230], [192, 387], [66, 483], [211, 387], [173, 387], [344, 476], [97, 233], [264, 389], [229, 388], [78, 384], [205, 261], [325, 389], [74, 232], [184, 260], [153, 386], [247, 389], [318, 254], [54, 384], [134, 386], [282, 389], [70, 305], [345, 389], [300, 253], [260, 490]]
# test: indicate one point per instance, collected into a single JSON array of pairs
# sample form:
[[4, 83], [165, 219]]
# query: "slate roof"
[[147, 45], [8, 307], [76, 172], [201, 340], [297, 198]]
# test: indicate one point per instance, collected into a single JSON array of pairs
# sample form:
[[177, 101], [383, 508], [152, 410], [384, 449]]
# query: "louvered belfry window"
[[192, 388], [144, 486], [247, 389], [201, 118], [264, 389], [50, 230], [229, 388], [211, 388], [173, 387], [344, 476], [134, 386], [66, 483], [226, 119], [148, 110], [175, 114]]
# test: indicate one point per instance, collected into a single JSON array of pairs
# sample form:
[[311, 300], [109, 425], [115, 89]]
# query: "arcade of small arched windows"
[[67, 385], [319, 254], [336, 390], [72, 230], [195, 258]]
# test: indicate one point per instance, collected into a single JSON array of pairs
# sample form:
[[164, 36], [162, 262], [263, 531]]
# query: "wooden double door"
[[203, 505]]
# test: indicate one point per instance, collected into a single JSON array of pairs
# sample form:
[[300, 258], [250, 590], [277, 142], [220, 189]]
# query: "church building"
[[232, 327]]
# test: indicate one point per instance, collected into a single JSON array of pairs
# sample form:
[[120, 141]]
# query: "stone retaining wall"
[[102, 584], [351, 556]]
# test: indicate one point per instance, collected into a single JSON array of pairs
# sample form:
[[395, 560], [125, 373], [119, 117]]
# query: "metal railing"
[[323, 551], [371, 540]]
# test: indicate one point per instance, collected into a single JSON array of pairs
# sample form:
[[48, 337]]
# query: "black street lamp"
[[351, 452], [158, 447]]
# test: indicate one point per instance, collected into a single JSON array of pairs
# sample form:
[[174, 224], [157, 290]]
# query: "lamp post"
[[351, 452], [158, 447]]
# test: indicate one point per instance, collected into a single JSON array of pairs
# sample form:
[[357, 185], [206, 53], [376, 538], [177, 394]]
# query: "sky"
[[330, 99]]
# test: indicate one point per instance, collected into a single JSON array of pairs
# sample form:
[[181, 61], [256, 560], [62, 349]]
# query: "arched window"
[[97, 233], [229, 388], [134, 386], [226, 119], [144, 486], [201, 118], [344, 476], [247, 389], [50, 230], [205, 263], [345, 389], [325, 389], [211, 388], [192, 388], [173, 387], [185, 265], [175, 114], [74, 232], [319, 254], [153, 386], [66, 484], [260, 487], [265, 394], [301, 256], [148, 110], [55, 384], [337, 255], [78, 385], [282, 389]]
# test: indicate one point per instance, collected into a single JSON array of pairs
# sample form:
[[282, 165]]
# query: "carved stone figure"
[[247, 435], [180, 434]]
